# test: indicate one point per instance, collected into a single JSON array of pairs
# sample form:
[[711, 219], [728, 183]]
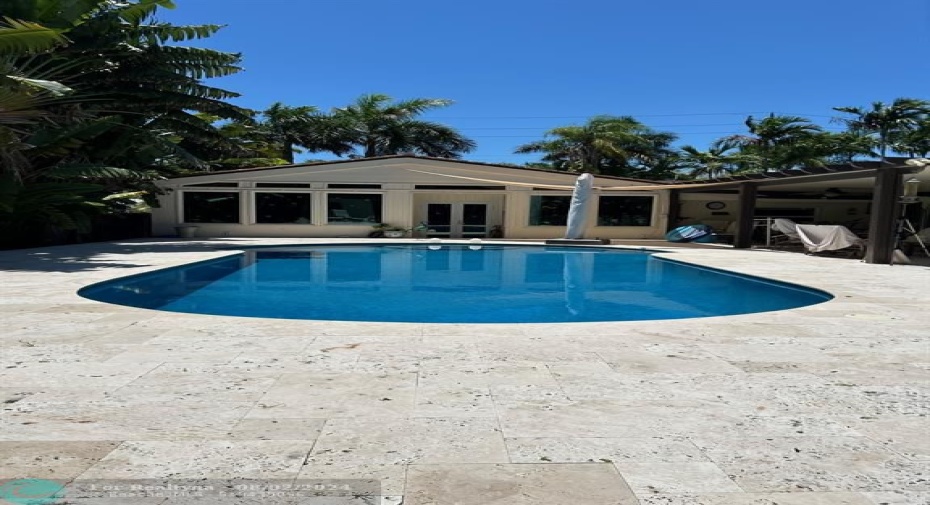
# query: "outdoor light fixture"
[[905, 228], [911, 188], [832, 193]]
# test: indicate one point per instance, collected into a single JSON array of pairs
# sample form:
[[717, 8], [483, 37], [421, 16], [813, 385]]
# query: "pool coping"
[[746, 407]]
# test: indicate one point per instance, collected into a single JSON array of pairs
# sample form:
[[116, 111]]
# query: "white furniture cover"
[[787, 227], [822, 237]]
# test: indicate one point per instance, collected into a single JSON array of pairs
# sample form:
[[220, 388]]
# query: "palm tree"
[[883, 122], [619, 145], [915, 142], [288, 127], [776, 141], [720, 160], [374, 125], [841, 147]]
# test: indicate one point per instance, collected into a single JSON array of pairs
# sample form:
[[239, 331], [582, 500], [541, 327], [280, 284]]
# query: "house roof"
[[807, 175], [408, 156], [859, 173]]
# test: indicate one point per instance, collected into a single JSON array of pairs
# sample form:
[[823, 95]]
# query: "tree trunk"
[[371, 148], [288, 153]]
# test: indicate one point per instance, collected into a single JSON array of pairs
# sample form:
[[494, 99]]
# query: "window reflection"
[[282, 208], [211, 207], [353, 208], [624, 211], [549, 210]]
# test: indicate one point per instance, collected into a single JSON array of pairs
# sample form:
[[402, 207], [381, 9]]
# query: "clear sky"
[[516, 68]]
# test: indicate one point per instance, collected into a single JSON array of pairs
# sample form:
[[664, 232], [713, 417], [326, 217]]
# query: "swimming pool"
[[451, 284]]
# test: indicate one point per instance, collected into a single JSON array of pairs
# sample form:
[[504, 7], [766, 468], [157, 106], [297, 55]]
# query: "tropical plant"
[[885, 122], [375, 126], [776, 141], [288, 127], [721, 159], [95, 103], [841, 147], [913, 142], [615, 145]]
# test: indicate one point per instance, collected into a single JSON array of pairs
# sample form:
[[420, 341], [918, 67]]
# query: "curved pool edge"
[[101, 261], [758, 278], [660, 253]]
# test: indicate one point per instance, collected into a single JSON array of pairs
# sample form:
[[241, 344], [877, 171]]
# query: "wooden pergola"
[[886, 195]]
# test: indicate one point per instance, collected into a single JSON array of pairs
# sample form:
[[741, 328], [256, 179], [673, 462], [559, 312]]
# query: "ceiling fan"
[[831, 193]]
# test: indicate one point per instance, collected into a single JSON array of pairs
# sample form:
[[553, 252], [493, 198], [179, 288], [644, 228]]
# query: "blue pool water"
[[451, 284]]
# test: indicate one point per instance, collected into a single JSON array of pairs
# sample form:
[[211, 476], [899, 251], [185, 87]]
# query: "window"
[[549, 210], [435, 187], [214, 185], [354, 208], [282, 208], [625, 211], [354, 186], [282, 185], [211, 207]]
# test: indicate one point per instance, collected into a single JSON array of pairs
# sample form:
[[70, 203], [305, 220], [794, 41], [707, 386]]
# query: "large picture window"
[[549, 210], [211, 207], [353, 208], [282, 208], [625, 211]]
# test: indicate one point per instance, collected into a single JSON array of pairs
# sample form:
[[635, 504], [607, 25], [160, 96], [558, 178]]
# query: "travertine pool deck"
[[826, 404]]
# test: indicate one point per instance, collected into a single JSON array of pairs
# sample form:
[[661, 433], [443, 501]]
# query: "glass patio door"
[[439, 220], [473, 220], [457, 220]]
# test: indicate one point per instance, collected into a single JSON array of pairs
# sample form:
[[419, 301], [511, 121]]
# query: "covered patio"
[[880, 185]]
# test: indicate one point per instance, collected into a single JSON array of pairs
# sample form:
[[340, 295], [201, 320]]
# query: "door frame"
[[456, 215]]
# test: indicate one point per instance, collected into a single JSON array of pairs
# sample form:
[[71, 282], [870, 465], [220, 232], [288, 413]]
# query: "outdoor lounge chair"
[[787, 233], [820, 238]]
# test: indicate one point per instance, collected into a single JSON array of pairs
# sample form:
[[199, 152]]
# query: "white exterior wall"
[[518, 216], [403, 204]]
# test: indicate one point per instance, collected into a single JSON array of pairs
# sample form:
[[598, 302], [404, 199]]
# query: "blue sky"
[[516, 68]]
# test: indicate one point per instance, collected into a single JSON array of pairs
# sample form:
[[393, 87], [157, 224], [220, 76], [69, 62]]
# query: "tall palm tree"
[[883, 121], [775, 130], [287, 127], [721, 159], [604, 144], [375, 125], [915, 142], [778, 142]]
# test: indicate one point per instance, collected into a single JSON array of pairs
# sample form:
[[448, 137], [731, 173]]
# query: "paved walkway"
[[826, 404]]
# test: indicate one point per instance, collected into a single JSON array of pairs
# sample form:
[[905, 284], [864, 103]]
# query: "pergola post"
[[744, 220], [674, 209], [883, 220]]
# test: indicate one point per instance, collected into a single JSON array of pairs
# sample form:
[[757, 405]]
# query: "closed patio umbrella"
[[578, 209]]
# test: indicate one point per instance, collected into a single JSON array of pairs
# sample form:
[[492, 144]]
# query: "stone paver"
[[821, 405], [556, 484]]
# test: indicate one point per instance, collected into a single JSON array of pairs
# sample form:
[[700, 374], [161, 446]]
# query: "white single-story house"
[[464, 199], [455, 199]]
